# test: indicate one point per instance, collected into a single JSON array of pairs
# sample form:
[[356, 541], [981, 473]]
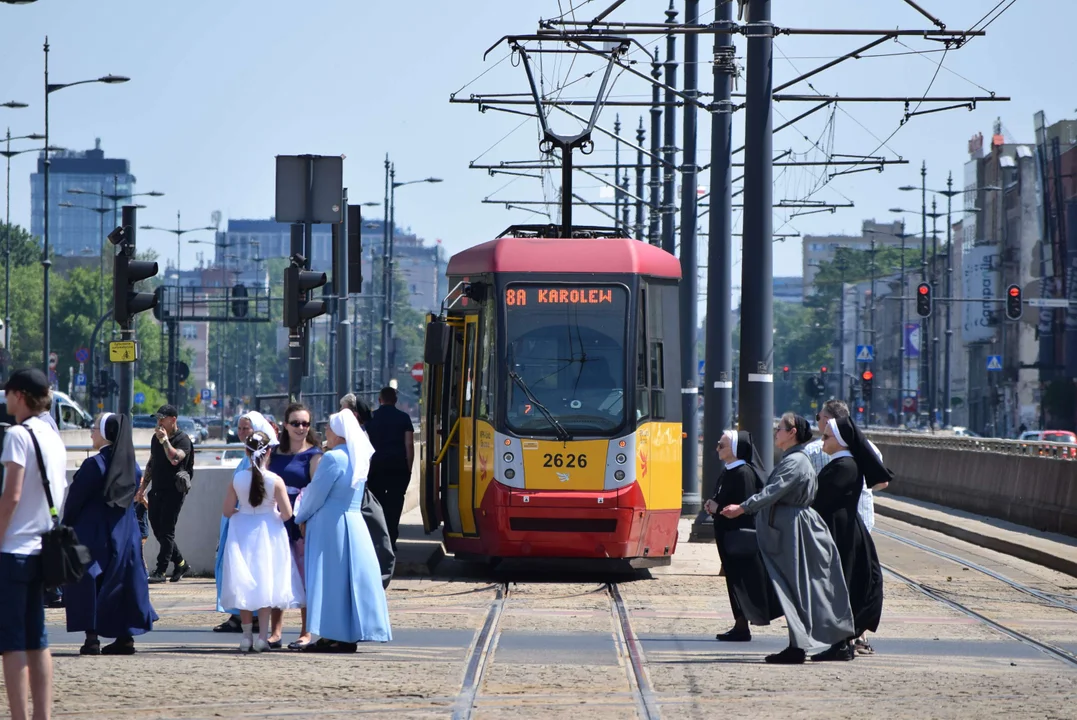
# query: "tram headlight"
[[510, 474], [621, 458], [619, 475], [508, 457]]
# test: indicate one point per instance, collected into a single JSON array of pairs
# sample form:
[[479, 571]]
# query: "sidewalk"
[[1057, 552], [417, 554]]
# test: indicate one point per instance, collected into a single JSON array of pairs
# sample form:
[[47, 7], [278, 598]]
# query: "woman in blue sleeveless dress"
[[248, 424], [295, 460], [113, 597], [345, 598]]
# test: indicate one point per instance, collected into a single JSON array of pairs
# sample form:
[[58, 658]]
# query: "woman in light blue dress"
[[345, 599], [249, 424]]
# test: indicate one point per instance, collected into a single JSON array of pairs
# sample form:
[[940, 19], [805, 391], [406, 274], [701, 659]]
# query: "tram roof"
[[565, 255]]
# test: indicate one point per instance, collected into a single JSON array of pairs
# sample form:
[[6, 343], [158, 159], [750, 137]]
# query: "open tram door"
[[436, 440]]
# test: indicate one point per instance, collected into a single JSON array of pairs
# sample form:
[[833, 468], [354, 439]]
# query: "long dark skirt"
[[751, 594]]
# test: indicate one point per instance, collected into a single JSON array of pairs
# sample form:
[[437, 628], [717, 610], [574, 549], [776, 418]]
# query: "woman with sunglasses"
[[800, 556], [295, 461]]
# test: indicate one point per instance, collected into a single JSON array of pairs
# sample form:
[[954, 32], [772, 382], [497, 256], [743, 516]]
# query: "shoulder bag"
[[63, 559]]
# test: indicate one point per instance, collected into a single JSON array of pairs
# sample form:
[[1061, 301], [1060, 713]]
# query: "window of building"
[[189, 332]]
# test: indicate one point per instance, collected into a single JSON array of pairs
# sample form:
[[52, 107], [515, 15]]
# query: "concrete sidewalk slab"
[[1054, 551]]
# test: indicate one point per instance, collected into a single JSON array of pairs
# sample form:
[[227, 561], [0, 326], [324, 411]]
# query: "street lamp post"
[[8, 153], [45, 262], [387, 265]]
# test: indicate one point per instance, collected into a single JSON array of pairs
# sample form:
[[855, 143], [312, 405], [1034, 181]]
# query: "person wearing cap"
[[24, 516], [169, 472], [113, 597]]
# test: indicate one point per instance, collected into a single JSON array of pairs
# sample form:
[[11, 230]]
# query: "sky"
[[219, 88]]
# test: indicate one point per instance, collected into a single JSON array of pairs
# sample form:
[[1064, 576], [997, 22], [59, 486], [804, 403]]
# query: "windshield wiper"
[[562, 434]]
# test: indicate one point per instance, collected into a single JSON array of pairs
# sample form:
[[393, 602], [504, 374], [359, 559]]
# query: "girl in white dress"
[[258, 570]]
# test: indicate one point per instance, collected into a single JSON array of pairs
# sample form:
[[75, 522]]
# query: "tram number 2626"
[[567, 460]]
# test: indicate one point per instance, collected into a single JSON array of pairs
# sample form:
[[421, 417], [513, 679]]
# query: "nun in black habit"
[[852, 462], [751, 594], [113, 598]]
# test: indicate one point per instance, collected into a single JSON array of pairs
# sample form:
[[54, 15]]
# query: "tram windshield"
[[566, 343]]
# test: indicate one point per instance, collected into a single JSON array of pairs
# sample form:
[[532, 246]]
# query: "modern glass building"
[[77, 231]]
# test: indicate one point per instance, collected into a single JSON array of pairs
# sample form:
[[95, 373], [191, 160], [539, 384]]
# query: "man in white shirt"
[[24, 517]]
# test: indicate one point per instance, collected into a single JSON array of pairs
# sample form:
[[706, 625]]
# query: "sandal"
[[325, 645], [231, 625]]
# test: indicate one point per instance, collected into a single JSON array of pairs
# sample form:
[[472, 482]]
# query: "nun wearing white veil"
[[345, 599]]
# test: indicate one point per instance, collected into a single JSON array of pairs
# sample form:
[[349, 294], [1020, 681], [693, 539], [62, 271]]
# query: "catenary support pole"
[[718, 368], [669, 149], [689, 287], [655, 182], [640, 137], [757, 293]]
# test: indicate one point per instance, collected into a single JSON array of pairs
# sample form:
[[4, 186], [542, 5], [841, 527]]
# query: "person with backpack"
[[35, 483]]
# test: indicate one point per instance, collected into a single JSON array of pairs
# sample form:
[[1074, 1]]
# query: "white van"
[[67, 413]]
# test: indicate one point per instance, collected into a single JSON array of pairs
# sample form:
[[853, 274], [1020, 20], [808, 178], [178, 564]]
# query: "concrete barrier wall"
[[1039, 493]]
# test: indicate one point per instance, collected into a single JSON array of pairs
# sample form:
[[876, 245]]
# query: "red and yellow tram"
[[551, 400]]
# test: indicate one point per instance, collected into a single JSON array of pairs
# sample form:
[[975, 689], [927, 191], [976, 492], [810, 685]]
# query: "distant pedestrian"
[[24, 516], [113, 598], [259, 572], [169, 474], [393, 436]]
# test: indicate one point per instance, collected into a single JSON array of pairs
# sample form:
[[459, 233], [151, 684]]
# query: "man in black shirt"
[[393, 436], [169, 471]]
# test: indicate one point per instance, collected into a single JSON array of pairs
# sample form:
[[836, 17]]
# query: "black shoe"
[[157, 576], [789, 656], [124, 646], [274, 644], [181, 571], [838, 652], [735, 635], [231, 625], [90, 648]]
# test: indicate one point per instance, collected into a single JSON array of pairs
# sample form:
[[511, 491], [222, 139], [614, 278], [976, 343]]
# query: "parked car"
[[231, 457], [144, 422], [965, 432], [1052, 436], [187, 425], [67, 413], [203, 426]]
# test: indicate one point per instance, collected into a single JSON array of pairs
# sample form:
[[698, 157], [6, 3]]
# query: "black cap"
[[28, 380], [167, 411]]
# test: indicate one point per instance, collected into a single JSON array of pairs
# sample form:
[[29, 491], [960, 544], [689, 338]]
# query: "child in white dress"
[[258, 571]]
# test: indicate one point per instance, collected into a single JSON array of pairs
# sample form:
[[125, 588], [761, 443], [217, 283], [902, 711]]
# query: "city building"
[[789, 289], [75, 231], [819, 249]]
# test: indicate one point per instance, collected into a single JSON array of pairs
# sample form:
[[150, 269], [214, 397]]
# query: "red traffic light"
[[822, 369], [868, 375], [1014, 291], [924, 289], [785, 368]]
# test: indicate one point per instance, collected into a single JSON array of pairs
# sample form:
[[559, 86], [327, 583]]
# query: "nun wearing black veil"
[[751, 594], [113, 598], [852, 463]]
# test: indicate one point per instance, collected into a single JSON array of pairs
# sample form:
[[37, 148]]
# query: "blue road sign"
[[701, 366], [206, 393], [140, 398], [82, 355], [994, 363], [80, 380], [865, 353]]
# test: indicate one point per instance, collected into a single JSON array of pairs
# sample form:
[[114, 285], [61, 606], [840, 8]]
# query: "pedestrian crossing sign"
[[865, 353], [994, 362]]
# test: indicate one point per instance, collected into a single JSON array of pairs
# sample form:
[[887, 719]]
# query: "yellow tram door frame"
[[467, 395]]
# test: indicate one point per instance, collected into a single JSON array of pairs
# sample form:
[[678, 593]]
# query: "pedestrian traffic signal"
[[822, 379], [297, 286], [785, 373], [126, 271], [923, 300], [1013, 302], [866, 379]]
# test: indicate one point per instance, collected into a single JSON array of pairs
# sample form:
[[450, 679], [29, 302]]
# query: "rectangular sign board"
[[123, 351], [1048, 302], [317, 180]]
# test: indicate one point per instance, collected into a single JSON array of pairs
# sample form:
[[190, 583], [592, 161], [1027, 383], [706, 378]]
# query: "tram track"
[[481, 654], [1046, 598]]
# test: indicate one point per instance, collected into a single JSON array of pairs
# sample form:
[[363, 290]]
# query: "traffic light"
[[239, 301], [866, 379], [923, 300], [1013, 302], [822, 379], [355, 249], [297, 285], [785, 373], [126, 271]]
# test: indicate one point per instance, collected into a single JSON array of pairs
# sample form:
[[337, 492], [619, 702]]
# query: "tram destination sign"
[[532, 295]]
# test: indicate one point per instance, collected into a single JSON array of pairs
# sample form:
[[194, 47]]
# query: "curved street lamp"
[[179, 233], [45, 262]]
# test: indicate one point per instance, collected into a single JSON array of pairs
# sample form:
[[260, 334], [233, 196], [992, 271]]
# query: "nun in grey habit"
[[800, 556]]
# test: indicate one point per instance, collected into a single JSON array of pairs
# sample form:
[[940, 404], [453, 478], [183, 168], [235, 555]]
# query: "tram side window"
[[487, 350], [643, 390]]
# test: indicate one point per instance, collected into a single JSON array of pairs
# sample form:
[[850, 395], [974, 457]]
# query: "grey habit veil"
[[799, 554]]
